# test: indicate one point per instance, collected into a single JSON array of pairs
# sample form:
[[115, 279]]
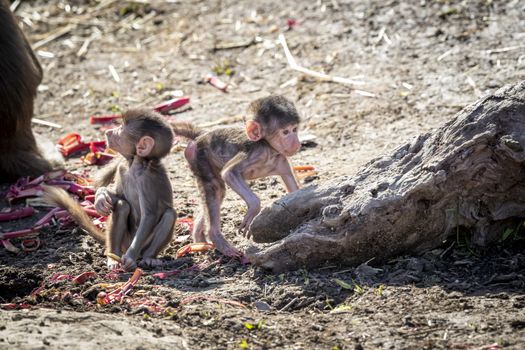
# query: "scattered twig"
[[236, 44], [423, 331], [15, 5], [293, 64], [103, 5], [85, 46], [45, 54], [141, 21], [326, 267], [364, 93], [218, 300], [344, 271], [382, 36], [55, 35], [505, 49], [290, 82], [447, 250], [46, 123], [445, 54], [114, 73], [287, 306]]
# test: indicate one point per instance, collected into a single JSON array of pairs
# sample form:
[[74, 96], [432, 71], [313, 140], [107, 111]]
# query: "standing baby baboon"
[[140, 202], [20, 74], [232, 155]]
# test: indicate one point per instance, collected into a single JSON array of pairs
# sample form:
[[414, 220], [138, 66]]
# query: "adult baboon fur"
[[20, 74]]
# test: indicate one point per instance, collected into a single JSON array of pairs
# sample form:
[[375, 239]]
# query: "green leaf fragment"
[[343, 284]]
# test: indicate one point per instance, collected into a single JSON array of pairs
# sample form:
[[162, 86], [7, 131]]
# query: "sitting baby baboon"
[[232, 155], [140, 201]]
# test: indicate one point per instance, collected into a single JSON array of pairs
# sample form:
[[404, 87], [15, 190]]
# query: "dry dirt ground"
[[423, 61]]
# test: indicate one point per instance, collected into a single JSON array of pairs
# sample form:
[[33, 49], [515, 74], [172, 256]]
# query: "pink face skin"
[[116, 140], [285, 140]]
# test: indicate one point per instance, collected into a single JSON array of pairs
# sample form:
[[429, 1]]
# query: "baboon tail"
[[60, 198], [185, 129]]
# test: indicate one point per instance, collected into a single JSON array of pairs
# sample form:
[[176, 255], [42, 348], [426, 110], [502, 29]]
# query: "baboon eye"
[[286, 132], [295, 129]]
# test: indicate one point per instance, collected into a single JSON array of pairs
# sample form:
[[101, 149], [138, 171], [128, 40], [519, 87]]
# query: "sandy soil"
[[423, 61]]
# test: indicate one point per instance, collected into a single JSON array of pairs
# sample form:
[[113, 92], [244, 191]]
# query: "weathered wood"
[[469, 173]]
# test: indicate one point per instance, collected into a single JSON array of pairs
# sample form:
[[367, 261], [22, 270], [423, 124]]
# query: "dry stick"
[[290, 82], [85, 46], [506, 49], [447, 250], [15, 5], [141, 21], [82, 20], [46, 123], [103, 5], [57, 34], [445, 54], [83, 49], [73, 24], [235, 44], [287, 306], [218, 300], [382, 36], [319, 75], [114, 73]]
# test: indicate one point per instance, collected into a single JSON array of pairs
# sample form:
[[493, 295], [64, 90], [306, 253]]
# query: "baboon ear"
[[145, 146], [254, 130]]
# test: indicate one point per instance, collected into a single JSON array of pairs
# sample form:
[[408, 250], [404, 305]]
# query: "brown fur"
[[274, 112], [107, 174], [230, 156], [20, 75], [186, 130], [140, 200], [60, 198], [143, 122]]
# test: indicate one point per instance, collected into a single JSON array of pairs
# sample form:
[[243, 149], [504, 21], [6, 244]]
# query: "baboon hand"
[[254, 208], [103, 202]]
